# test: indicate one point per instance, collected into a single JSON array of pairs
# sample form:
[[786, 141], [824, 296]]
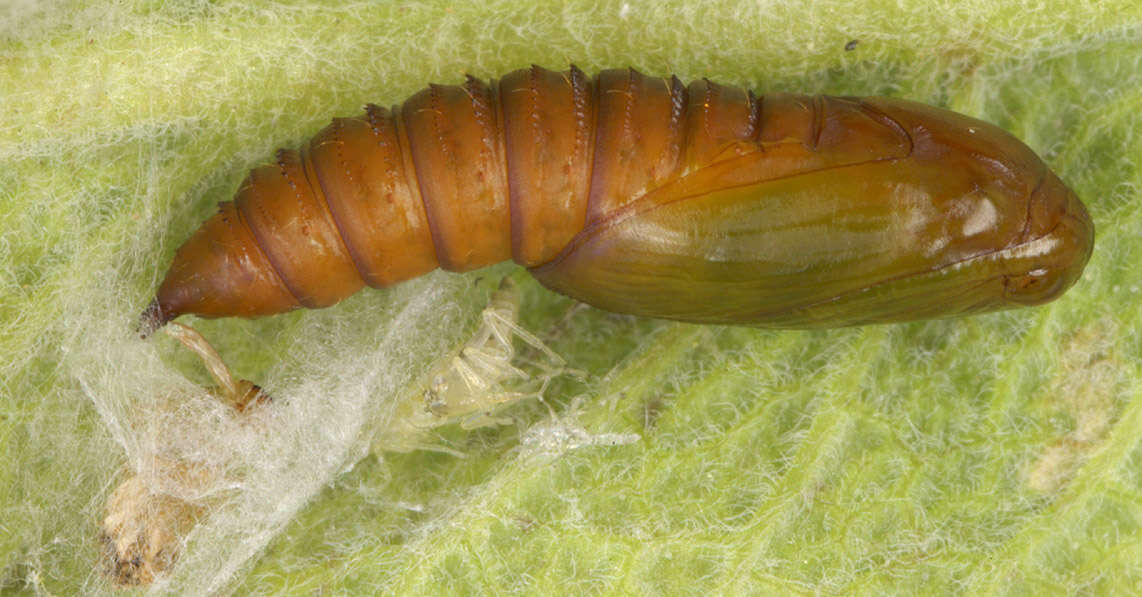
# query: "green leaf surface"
[[1000, 454]]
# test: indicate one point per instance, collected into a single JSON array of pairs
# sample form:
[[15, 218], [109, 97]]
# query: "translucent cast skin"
[[640, 195]]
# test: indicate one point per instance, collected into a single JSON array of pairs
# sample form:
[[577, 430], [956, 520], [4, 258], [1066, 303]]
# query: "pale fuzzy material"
[[321, 422]]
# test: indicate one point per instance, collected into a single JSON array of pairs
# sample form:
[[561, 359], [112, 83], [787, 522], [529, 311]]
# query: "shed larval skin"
[[642, 195]]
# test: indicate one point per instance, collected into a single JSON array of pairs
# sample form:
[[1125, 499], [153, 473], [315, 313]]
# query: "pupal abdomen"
[[845, 211]]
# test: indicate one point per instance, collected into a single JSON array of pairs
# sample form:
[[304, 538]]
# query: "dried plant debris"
[[143, 532], [151, 514]]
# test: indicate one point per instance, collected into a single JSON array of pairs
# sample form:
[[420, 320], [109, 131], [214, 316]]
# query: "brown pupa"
[[642, 195]]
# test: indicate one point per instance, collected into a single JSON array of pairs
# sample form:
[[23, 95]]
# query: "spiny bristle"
[[151, 319]]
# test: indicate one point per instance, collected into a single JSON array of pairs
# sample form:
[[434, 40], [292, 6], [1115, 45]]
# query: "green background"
[[1000, 454]]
